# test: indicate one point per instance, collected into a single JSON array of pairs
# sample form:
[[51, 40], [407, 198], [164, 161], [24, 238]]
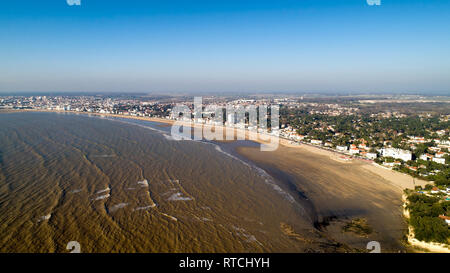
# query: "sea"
[[121, 185]]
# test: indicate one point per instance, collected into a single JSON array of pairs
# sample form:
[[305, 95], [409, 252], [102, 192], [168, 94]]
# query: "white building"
[[434, 190], [315, 141], [354, 151], [439, 160], [341, 148], [396, 153], [447, 220], [371, 155], [444, 144]]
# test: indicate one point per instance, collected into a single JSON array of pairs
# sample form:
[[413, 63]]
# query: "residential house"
[[445, 218], [396, 153], [439, 160], [341, 148]]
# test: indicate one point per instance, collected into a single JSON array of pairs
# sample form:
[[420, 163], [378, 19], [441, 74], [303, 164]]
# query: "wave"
[[143, 183], [178, 197], [45, 217], [102, 197], [145, 208], [105, 190], [118, 206]]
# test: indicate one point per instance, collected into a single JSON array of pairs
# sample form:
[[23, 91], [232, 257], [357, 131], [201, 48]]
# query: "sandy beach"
[[338, 192], [397, 179]]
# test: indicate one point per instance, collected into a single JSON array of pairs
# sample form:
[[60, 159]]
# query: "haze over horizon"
[[233, 46]]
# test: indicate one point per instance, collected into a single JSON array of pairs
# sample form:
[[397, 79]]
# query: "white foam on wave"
[[103, 197], [103, 156], [203, 219], [180, 137], [269, 181], [217, 147], [170, 217], [249, 238], [143, 183], [267, 178], [118, 206], [45, 217], [140, 125], [105, 190], [178, 197], [166, 136], [164, 133], [144, 208]]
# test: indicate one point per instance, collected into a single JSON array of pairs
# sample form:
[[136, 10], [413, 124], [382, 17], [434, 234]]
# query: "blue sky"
[[219, 46]]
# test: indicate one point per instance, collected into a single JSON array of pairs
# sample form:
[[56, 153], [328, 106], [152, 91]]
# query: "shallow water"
[[67, 177]]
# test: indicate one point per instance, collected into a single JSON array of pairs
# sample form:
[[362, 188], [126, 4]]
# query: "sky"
[[225, 46]]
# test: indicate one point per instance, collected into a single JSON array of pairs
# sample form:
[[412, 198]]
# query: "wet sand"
[[338, 192], [396, 179]]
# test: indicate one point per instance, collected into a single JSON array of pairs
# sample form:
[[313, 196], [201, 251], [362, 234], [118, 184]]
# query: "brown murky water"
[[120, 187]]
